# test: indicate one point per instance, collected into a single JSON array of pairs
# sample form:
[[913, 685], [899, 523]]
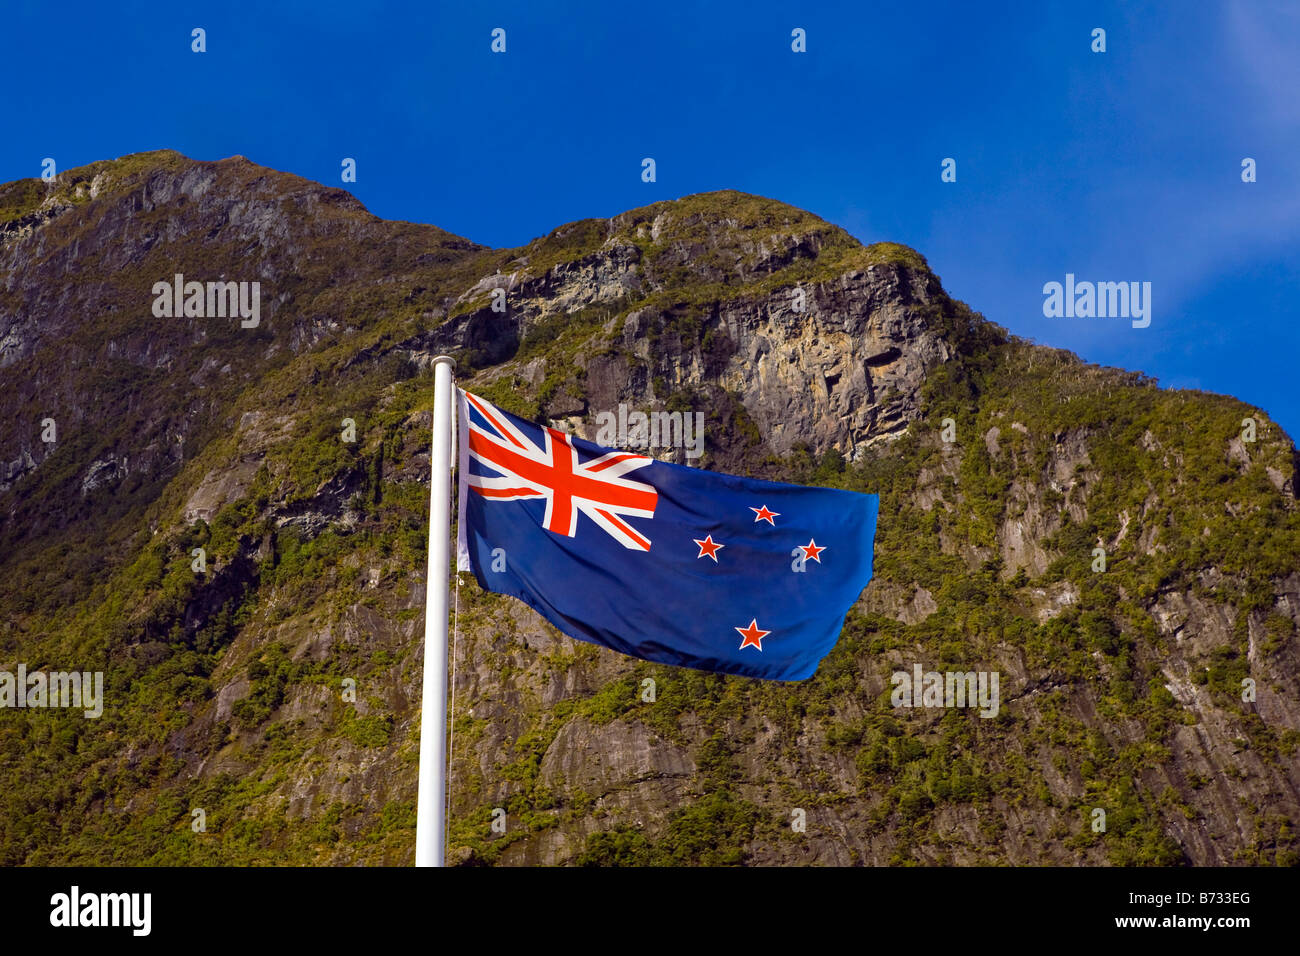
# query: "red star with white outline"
[[811, 552], [762, 514], [708, 548], [753, 635]]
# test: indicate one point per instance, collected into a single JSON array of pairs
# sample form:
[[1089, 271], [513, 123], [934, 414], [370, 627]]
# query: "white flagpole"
[[431, 802]]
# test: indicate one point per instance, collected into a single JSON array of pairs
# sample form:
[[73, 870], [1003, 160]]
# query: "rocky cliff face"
[[834, 363], [277, 689]]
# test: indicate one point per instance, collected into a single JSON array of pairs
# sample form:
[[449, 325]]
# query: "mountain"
[[132, 435]]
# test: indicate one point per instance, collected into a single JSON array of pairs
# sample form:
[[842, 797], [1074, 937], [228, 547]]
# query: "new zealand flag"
[[660, 561]]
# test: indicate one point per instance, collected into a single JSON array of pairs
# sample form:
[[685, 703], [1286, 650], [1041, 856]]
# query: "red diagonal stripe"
[[613, 461], [626, 528], [491, 418], [507, 492]]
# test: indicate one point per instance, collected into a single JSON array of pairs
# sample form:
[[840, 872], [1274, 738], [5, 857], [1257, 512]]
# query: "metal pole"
[[431, 802]]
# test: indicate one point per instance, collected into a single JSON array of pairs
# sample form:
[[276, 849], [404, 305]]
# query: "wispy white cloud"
[[1264, 38]]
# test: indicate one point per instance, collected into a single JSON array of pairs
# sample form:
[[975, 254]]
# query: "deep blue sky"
[[1116, 166]]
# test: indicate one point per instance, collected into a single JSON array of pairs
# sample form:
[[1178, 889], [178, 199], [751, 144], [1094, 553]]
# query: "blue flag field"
[[656, 560]]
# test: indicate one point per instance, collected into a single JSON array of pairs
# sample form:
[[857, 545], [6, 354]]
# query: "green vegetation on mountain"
[[227, 691]]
